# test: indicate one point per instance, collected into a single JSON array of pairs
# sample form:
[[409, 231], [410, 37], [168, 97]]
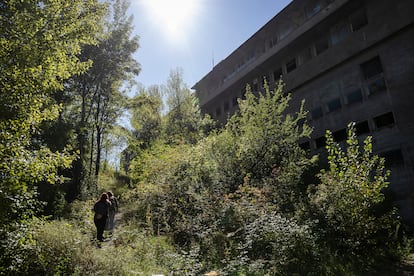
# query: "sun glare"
[[172, 16]]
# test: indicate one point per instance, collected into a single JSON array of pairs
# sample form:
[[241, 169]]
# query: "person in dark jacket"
[[100, 208]]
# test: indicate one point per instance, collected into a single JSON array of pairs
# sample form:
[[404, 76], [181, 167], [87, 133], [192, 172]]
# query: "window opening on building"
[[320, 142], [317, 113], [255, 86], [272, 42], [376, 86], [218, 111], [305, 145], [362, 128], [321, 46], [234, 101], [354, 96], [358, 20], [371, 68], [226, 106], [264, 79], [340, 32], [305, 55], [243, 93], [340, 135], [393, 158], [334, 104], [291, 65], [384, 120], [277, 74]]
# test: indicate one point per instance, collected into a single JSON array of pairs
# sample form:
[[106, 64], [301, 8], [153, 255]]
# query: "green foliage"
[[348, 204], [261, 142], [156, 164], [235, 202], [183, 122], [198, 196], [39, 50], [268, 135], [146, 117], [275, 245], [63, 247], [94, 100]]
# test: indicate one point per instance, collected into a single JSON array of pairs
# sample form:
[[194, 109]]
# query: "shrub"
[[350, 223]]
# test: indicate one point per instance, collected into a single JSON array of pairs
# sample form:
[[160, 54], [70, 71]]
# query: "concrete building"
[[351, 60]]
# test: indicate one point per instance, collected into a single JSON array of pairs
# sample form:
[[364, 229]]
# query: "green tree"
[[263, 142], [348, 203], [39, 46], [183, 121], [39, 49], [146, 122], [214, 194], [100, 95], [146, 116]]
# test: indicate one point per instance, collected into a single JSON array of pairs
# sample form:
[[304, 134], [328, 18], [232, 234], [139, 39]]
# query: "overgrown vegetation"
[[236, 202], [194, 198]]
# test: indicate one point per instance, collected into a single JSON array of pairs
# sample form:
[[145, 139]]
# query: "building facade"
[[350, 60]]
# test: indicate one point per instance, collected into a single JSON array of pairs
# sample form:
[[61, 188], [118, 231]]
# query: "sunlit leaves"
[[39, 46], [348, 200]]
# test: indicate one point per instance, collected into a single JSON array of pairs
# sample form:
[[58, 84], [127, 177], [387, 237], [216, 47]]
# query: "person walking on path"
[[113, 209], [100, 208]]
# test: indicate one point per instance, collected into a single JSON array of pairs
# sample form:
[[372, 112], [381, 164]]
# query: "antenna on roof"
[[212, 58]]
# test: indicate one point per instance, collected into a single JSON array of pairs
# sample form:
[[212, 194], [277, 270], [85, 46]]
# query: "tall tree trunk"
[[98, 135], [98, 149], [91, 159]]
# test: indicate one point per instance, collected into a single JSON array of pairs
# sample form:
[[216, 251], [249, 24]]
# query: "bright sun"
[[173, 16]]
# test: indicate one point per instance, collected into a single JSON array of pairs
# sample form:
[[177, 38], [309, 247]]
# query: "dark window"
[[317, 113], [376, 86], [226, 106], [277, 74], [305, 55], [243, 94], [371, 68], [334, 105], [340, 32], [321, 46], [361, 128], [234, 101], [218, 111], [339, 135], [305, 145], [290, 65], [264, 79], [320, 142], [255, 86], [355, 96], [358, 20], [383, 120], [272, 42], [393, 158]]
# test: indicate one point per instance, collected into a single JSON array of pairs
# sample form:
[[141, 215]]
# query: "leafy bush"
[[351, 221], [236, 202], [199, 200], [275, 245]]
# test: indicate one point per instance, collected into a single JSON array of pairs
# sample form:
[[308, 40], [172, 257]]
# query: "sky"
[[193, 34]]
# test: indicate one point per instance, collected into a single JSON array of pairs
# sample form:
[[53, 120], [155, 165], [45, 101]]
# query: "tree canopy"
[[40, 44]]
